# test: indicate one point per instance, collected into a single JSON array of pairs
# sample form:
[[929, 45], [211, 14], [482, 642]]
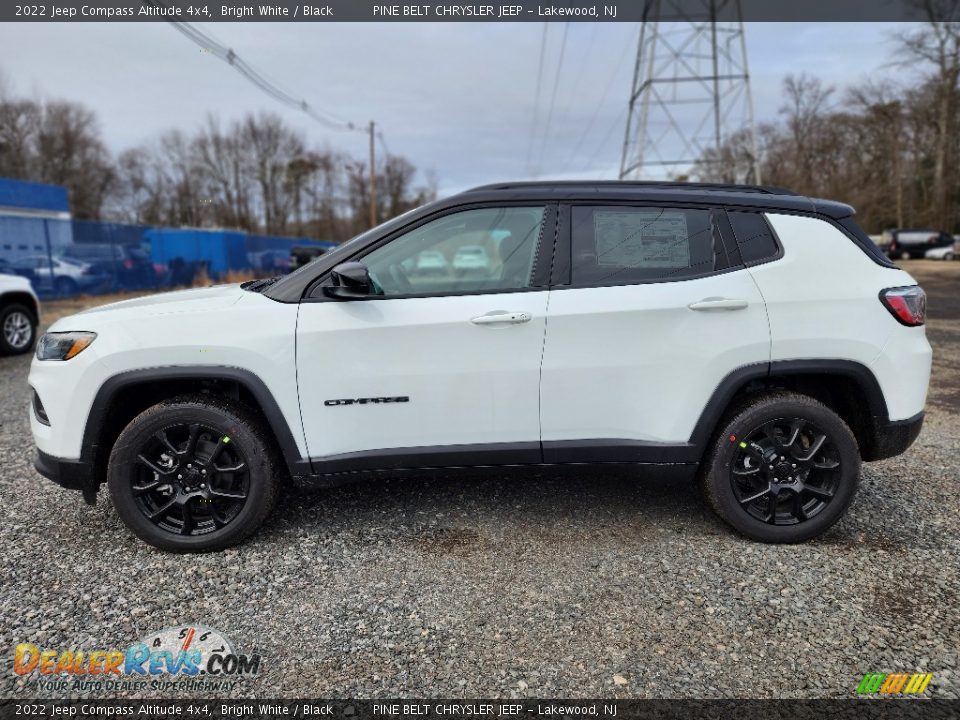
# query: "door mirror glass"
[[351, 280]]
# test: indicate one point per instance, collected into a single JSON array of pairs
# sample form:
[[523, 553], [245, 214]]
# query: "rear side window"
[[755, 239], [623, 245]]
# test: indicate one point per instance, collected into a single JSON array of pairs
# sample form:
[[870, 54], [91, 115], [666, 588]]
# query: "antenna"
[[691, 91]]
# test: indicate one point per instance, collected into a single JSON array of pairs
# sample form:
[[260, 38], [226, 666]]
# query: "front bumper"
[[893, 437], [70, 474]]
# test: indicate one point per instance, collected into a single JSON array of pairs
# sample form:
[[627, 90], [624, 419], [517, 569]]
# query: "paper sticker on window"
[[641, 239]]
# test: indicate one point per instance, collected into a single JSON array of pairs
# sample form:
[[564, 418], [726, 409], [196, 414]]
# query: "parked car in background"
[[61, 275], [432, 262], [275, 262], [300, 255], [915, 243], [947, 252], [19, 315], [471, 258], [129, 266]]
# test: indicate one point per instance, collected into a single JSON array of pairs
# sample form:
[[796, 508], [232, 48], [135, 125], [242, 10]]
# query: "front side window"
[[622, 245], [481, 250]]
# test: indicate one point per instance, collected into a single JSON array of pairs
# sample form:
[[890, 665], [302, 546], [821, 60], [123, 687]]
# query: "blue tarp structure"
[[33, 196], [64, 257]]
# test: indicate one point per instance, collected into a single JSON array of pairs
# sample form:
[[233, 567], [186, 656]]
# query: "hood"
[[180, 301]]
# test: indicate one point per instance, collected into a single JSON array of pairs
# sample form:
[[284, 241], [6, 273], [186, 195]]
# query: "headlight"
[[63, 345]]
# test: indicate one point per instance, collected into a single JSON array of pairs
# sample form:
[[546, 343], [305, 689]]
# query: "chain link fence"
[[64, 258]]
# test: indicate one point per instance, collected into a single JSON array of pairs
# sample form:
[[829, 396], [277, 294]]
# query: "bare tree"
[[938, 44]]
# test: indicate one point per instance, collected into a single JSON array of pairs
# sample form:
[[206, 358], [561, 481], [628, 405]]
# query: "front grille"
[[39, 410]]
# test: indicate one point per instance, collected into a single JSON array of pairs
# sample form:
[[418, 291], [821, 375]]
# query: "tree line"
[[255, 174], [893, 152]]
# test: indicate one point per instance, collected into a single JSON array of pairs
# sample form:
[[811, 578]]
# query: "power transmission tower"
[[691, 90]]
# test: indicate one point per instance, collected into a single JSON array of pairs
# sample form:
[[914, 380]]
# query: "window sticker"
[[641, 239]]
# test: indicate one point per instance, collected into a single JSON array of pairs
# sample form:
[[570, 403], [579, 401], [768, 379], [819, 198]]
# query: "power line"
[[598, 105], [383, 143], [553, 96], [326, 119], [240, 65], [536, 99]]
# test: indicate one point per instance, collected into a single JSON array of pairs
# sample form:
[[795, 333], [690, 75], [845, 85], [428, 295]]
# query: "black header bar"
[[474, 11], [523, 709]]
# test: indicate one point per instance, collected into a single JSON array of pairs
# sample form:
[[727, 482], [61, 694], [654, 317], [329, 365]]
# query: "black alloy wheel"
[[190, 479], [782, 468], [785, 472], [194, 473]]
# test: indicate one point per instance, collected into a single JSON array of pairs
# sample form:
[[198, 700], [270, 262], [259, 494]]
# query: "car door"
[[442, 367], [650, 314]]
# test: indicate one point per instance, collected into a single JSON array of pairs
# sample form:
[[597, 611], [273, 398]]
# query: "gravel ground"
[[517, 586]]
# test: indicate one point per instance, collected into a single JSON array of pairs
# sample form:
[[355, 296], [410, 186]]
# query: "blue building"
[[61, 256]]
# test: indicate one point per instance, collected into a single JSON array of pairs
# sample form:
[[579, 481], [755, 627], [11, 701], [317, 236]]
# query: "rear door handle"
[[718, 303], [502, 317]]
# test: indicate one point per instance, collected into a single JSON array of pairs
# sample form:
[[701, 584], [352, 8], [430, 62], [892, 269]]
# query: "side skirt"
[[494, 458]]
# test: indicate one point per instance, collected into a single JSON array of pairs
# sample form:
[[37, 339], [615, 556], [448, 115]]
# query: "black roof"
[[765, 197]]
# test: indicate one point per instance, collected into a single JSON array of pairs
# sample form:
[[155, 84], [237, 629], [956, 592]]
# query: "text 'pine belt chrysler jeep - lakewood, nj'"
[[747, 334]]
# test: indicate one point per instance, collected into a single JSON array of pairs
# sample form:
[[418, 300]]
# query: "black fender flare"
[[249, 380], [735, 381]]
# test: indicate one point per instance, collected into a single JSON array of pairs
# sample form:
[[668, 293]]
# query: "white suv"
[[748, 333], [19, 314]]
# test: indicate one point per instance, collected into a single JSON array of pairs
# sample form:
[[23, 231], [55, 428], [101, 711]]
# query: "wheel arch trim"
[[144, 376], [735, 381]]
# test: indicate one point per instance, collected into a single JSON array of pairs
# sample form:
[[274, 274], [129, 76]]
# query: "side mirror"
[[351, 281]]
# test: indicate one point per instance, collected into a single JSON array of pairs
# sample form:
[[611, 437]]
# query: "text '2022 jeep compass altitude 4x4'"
[[746, 332]]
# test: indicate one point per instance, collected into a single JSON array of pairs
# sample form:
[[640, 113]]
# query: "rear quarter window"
[[755, 238]]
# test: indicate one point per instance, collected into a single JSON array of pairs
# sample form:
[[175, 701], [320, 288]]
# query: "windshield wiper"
[[259, 285]]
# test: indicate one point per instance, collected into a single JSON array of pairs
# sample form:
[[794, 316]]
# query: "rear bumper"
[[893, 437], [70, 474]]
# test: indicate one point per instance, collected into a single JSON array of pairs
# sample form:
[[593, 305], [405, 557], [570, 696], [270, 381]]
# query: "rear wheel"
[[18, 330], [783, 469], [193, 474]]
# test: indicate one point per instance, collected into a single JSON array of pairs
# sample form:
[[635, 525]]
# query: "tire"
[[152, 470], [18, 329], [744, 458], [65, 286], [948, 256]]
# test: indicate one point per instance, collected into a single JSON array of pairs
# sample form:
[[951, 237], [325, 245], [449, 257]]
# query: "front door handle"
[[502, 317], [718, 303]]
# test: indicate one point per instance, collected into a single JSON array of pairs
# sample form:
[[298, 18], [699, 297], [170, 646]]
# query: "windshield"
[[332, 257]]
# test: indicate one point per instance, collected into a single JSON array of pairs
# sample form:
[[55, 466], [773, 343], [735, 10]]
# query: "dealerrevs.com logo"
[[190, 657], [894, 683]]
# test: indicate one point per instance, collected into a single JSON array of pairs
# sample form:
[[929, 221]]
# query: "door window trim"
[[543, 256], [563, 277]]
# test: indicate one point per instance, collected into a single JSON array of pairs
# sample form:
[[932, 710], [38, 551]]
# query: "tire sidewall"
[[123, 460], [5, 347], [747, 422]]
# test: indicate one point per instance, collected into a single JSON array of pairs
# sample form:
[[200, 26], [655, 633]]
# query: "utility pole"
[[373, 179], [691, 89]]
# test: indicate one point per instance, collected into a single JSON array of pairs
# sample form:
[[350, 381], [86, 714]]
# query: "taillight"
[[907, 304]]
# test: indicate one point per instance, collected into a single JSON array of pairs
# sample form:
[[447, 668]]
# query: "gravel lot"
[[517, 586]]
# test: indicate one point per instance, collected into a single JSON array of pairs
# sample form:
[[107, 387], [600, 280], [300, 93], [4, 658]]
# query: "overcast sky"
[[457, 99]]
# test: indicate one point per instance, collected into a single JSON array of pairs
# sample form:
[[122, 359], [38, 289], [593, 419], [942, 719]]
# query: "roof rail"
[[653, 184]]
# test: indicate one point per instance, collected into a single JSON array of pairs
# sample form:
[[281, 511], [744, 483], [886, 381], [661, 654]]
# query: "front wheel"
[[783, 469], [18, 330], [193, 474]]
